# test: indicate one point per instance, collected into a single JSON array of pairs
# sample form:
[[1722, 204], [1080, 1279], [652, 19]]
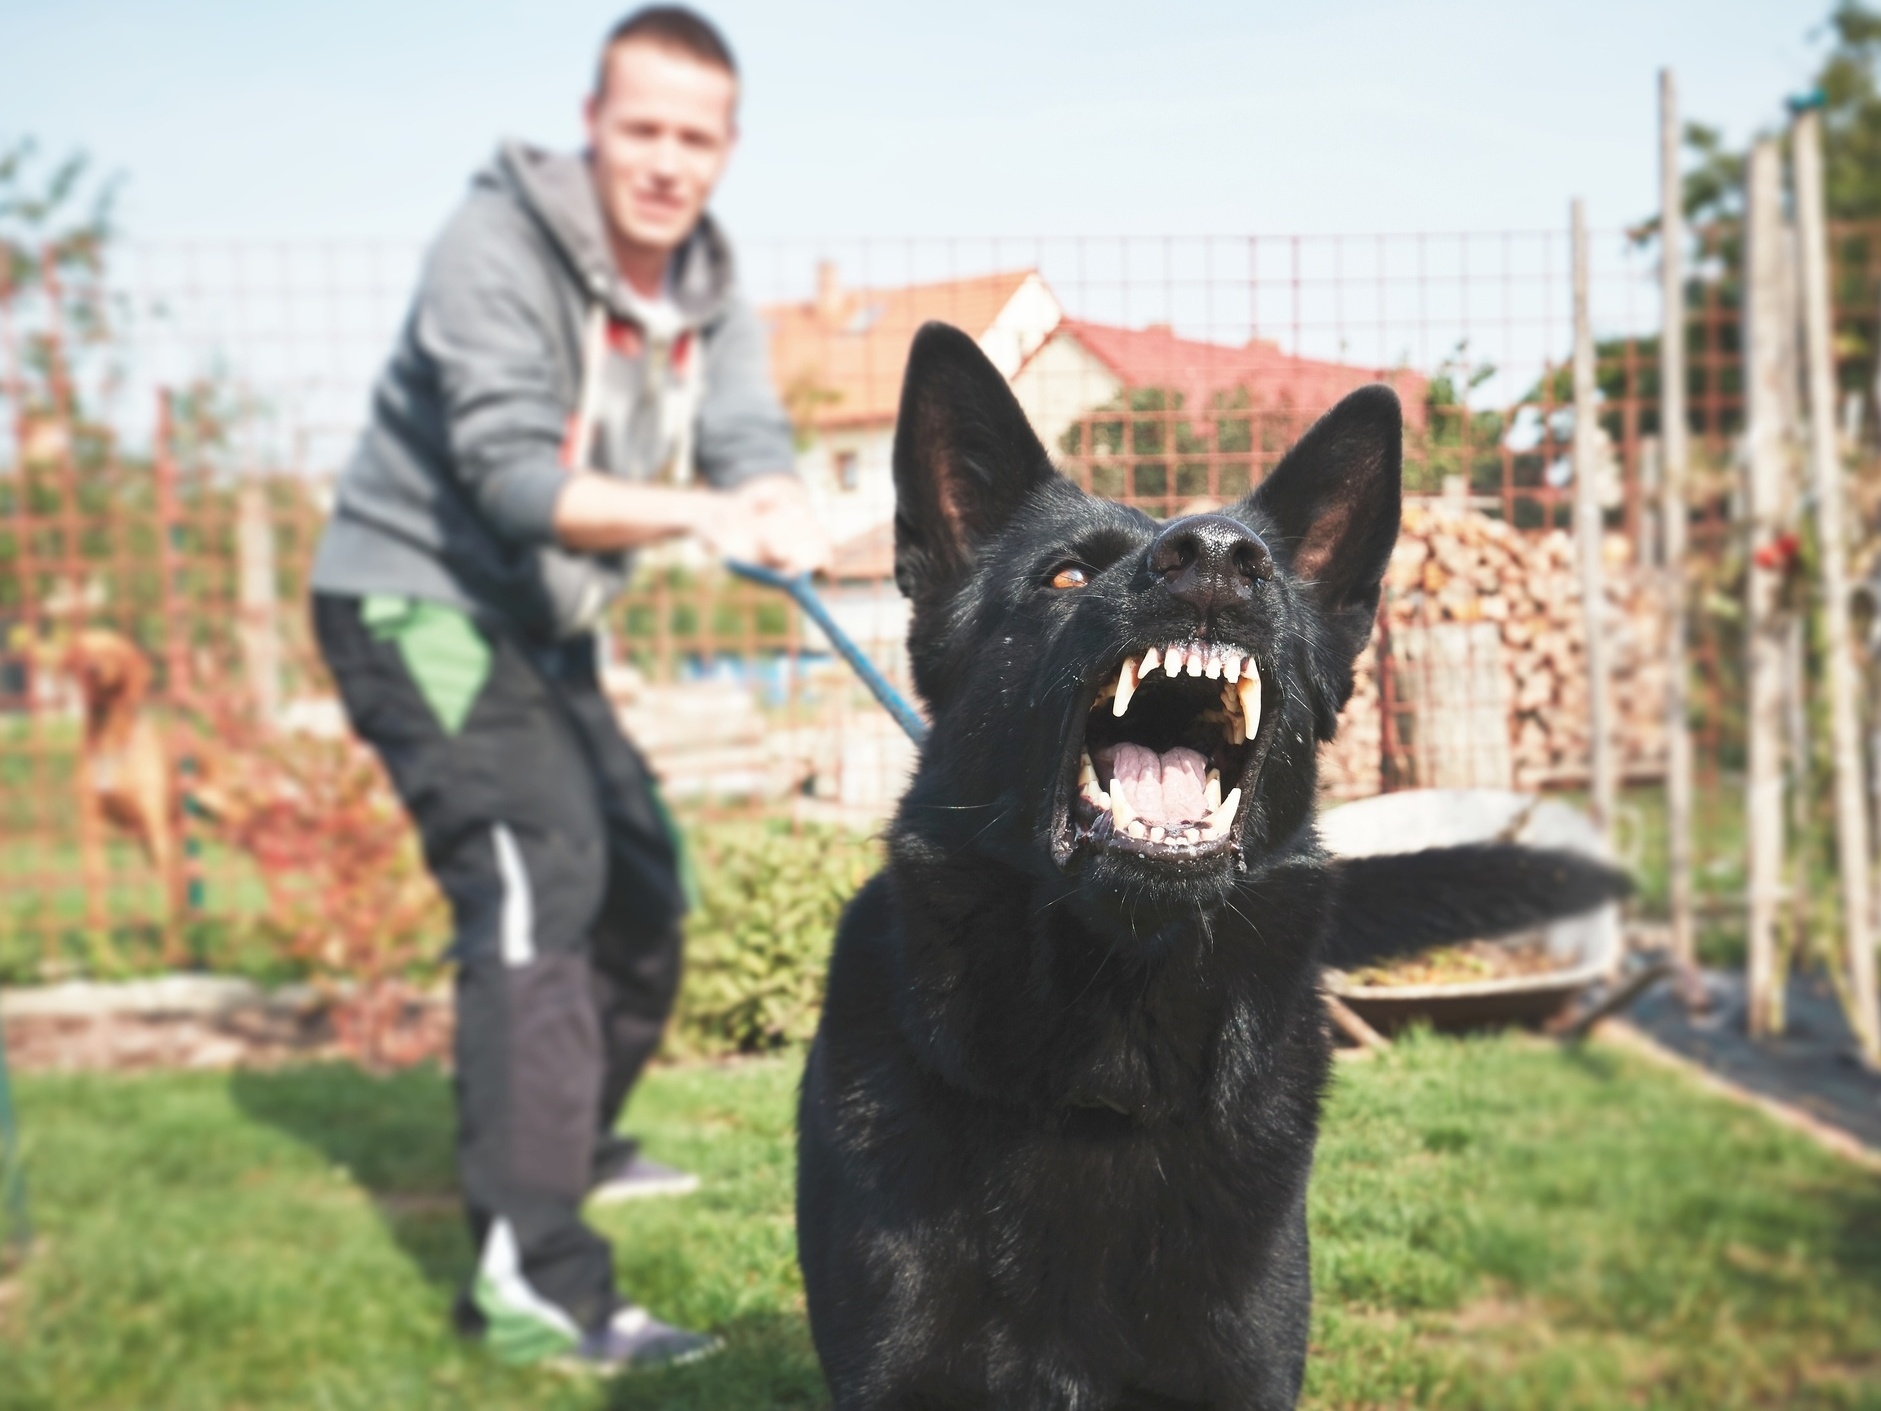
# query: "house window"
[[848, 470]]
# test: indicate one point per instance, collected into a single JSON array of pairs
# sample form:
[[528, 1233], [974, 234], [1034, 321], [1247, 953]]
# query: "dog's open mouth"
[[1160, 741]]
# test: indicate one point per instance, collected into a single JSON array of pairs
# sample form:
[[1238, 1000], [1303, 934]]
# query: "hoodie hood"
[[557, 190]]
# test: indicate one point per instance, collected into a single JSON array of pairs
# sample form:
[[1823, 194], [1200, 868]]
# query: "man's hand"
[[790, 538], [765, 521]]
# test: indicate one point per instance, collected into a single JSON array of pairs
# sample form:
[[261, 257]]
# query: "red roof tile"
[[837, 359], [1157, 357]]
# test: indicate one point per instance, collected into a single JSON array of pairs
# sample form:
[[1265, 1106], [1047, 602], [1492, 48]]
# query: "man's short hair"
[[672, 27]]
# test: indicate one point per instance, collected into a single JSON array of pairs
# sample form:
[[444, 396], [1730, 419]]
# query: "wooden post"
[[1674, 469], [1767, 451], [1590, 534], [1825, 464], [259, 625]]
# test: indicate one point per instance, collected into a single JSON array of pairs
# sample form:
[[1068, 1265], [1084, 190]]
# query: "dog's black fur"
[[1058, 1121]]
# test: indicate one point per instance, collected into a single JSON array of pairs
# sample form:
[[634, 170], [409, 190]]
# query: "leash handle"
[[806, 598]]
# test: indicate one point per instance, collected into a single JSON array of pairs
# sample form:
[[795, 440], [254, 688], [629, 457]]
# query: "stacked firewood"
[[1455, 566]]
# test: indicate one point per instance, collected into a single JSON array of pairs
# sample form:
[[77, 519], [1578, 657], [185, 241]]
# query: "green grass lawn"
[[1497, 1223]]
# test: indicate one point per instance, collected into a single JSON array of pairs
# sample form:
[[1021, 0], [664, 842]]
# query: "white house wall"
[[1027, 321], [1061, 383], [847, 513]]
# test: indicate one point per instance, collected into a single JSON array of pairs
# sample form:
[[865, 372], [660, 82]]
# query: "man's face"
[[661, 131]]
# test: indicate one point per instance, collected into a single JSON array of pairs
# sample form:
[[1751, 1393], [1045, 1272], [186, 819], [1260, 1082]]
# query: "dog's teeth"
[[1149, 663], [1126, 686], [1087, 771], [1211, 793], [1136, 829], [1212, 667], [1249, 689], [1235, 726], [1094, 796], [1223, 818], [1157, 835], [1121, 814], [1231, 668], [1172, 660], [1196, 660]]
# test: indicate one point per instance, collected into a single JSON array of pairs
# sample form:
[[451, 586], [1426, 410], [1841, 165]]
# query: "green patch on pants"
[[448, 658]]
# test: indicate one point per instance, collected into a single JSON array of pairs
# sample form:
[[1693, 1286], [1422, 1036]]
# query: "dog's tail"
[[1396, 903]]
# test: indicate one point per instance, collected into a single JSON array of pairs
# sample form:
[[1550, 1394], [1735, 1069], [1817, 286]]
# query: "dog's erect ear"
[[965, 459], [1335, 500]]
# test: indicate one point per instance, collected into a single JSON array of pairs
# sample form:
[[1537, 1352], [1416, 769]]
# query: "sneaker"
[[636, 1178], [633, 1340]]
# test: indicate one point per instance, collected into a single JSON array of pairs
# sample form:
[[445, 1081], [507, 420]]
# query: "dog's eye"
[[1070, 575]]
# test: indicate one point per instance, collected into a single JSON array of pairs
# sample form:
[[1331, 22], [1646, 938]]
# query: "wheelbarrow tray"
[[1587, 948]]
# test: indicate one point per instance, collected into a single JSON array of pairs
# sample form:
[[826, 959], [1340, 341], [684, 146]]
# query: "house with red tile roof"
[[1086, 366], [837, 359]]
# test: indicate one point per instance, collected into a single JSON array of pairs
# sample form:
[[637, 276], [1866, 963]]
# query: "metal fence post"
[[1675, 455], [1767, 454], [1590, 535], [1825, 461]]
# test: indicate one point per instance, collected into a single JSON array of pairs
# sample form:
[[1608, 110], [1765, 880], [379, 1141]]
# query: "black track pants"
[[540, 824]]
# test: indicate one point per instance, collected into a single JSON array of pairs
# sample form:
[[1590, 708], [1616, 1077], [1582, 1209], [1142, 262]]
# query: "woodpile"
[[1483, 623]]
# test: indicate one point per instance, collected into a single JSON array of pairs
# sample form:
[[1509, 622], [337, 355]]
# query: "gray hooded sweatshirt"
[[524, 352]]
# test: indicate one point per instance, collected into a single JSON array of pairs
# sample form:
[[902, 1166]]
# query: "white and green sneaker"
[[634, 1340], [516, 1323], [521, 1327]]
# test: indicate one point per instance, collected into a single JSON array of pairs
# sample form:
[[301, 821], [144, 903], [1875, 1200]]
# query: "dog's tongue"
[[1161, 788]]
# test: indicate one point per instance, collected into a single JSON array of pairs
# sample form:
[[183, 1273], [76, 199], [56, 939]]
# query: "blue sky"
[[341, 119]]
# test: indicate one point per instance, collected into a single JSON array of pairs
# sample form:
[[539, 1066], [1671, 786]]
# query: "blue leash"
[[805, 597]]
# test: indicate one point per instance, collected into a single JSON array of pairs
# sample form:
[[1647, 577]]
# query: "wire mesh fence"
[[176, 416]]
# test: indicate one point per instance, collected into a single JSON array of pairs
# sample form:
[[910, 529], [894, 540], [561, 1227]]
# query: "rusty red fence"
[[175, 417]]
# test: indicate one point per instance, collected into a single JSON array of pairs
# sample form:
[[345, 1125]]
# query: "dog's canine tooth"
[[1126, 686], [1223, 817], [1121, 814], [1231, 667], [1249, 690], [1172, 659], [1211, 794], [1151, 660], [1087, 770]]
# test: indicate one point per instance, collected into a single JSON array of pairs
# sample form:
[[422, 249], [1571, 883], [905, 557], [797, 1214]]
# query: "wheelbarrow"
[[1586, 949]]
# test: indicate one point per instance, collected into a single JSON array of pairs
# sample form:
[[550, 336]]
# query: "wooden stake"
[[1825, 463], [1767, 452], [1590, 536], [259, 626], [1675, 451]]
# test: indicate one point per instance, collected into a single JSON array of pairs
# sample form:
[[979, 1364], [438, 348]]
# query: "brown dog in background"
[[125, 775]]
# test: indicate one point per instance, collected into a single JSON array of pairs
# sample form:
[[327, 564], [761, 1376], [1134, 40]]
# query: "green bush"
[[758, 943]]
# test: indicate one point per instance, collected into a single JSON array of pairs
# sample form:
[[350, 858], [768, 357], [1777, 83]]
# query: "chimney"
[[829, 293]]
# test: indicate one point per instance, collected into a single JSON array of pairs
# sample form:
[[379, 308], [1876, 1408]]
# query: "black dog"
[[1058, 1121]]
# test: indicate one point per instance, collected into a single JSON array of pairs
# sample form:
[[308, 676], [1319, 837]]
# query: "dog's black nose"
[[1209, 560]]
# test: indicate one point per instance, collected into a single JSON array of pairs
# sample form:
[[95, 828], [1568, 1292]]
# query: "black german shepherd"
[[1058, 1121]]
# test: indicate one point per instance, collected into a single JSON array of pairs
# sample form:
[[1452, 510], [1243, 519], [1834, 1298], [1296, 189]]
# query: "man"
[[576, 346]]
